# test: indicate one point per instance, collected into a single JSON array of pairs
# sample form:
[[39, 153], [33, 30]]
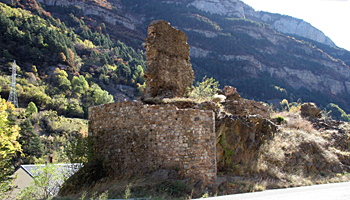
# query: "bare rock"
[[169, 71], [238, 138], [310, 110], [164, 174], [236, 105], [231, 93]]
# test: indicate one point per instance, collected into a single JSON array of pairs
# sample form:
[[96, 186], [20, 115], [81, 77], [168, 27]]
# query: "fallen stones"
[[169, 72]]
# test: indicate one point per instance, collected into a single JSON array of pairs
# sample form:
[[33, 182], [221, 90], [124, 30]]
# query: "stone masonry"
[[169, 72], [134, 138]]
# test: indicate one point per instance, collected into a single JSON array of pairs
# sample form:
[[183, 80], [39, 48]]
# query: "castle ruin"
[[133, 137]]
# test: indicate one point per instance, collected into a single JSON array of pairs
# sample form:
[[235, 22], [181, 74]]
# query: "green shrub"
[[280, 120]]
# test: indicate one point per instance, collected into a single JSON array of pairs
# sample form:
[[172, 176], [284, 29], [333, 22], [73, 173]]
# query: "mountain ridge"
[[261, 62]]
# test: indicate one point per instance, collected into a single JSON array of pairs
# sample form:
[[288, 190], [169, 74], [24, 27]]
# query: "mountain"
[[265, 56], [284, 24]]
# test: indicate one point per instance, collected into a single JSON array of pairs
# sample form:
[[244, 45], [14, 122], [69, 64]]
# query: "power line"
[[13, 93]]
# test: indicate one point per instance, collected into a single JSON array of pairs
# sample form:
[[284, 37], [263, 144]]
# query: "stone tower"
[[169, 71]]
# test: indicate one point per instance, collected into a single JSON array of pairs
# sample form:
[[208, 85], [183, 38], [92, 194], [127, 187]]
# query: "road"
[[332, 191]]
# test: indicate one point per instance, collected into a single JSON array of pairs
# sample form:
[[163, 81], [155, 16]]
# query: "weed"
[[103, 196], [83, 195], [205, 195], [127, 192]]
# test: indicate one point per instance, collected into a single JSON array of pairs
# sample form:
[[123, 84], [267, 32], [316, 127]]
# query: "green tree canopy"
[[31, 109], [30, 141]]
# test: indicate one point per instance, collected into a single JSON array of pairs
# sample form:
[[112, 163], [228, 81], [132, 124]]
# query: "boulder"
[[310, 110], [169, 72]]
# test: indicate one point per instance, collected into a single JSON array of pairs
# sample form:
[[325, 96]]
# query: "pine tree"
[[30, 141]]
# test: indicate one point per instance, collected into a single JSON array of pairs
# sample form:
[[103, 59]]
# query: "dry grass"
[[291, 155]]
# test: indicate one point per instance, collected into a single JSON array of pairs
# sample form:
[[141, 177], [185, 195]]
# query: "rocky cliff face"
[[335, 82], [89, 9], [239, 48], [284, 24]]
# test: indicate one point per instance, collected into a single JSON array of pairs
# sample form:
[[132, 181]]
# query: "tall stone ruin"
[[169, 71], [135, 137]]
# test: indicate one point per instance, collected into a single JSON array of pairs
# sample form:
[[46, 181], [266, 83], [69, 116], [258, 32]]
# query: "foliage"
[[79, 150], [285, 105], [337, 113], [8, 147], [46, 182], [206, 89], [37, 37], [31, 143], [280, 119], [31, 109]]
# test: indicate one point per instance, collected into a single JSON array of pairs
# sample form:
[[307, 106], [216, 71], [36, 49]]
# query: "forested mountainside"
[[64, 64], [106, 39]]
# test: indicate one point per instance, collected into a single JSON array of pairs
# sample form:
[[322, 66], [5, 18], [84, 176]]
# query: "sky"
[[332, 17]]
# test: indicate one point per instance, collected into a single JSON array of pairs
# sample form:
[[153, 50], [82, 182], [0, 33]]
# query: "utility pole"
[[13, 93]]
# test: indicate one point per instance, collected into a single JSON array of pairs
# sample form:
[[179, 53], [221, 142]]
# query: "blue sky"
[[332, 17]]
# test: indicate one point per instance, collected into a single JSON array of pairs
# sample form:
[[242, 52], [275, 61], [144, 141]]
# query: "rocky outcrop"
[[91, 9], [223, 7], [282, 23], [238, 138], [310, 110], [241, 129], [236, 105], [169, 72]]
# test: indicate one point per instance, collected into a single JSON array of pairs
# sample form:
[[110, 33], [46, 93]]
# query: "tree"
[[46, 182], [74, 109], [30, 141], [8, 147], [80, 85], [101, 96], [31, 109], [79, 150], [62, 79], [206, 89]]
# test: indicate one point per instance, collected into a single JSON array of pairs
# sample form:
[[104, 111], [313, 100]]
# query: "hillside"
[[74, 54], [255, 51], [63, 70], [233, 48]]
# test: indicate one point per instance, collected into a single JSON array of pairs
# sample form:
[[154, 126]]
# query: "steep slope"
[[228, 45]]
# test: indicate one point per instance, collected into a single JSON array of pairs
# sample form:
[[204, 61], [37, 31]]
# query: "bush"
[[206, 89], [280, 120]]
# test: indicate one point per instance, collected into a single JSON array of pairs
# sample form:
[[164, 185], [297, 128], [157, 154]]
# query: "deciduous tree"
[[8, 147]]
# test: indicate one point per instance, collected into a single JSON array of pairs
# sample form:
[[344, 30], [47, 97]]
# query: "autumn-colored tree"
[[8, 147]]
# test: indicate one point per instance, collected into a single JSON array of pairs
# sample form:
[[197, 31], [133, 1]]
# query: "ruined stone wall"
[[133, 138]]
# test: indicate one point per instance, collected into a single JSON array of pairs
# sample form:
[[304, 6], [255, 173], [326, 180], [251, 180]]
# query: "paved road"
[[333, 191]]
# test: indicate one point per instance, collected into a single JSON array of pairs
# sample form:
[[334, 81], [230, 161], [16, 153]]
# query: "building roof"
[[69, 169]]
